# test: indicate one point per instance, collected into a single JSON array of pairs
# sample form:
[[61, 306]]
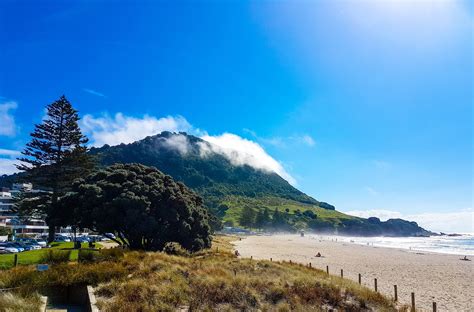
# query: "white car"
[[8, 249], [42, 243]]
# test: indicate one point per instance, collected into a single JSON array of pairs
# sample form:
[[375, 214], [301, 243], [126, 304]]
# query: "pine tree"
[[277, 219], [55, 156], [263, 218], [247, 218]]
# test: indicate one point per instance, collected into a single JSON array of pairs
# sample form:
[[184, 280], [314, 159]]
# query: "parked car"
[[7, 248], [30, 242], [41, 242], [83, 239], [109, 235], [62, 239], [18, 246]]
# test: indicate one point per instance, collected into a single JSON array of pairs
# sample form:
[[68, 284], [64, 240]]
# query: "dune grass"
[[211, 280]]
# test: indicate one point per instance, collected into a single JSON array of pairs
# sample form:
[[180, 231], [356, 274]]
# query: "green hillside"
[[241, 195], [237, 203]]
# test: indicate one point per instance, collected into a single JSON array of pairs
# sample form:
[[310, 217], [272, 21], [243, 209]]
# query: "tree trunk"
[[51, 233]]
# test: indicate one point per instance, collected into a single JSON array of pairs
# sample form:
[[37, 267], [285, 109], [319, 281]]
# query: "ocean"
[[457, 245]]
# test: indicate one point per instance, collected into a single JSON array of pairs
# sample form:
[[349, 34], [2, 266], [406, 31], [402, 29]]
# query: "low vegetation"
[[209, 280]]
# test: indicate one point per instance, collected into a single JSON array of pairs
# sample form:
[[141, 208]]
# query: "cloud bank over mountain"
[[125, 129]]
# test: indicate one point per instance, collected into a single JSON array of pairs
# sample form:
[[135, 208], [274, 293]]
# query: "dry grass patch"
[[215, 280], [210, 280]]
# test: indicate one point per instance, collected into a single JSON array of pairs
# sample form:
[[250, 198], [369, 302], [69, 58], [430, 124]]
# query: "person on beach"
[[237, 254], [465, 259], [318, 255]]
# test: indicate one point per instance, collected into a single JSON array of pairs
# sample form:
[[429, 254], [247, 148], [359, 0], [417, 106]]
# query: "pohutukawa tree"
[[144, 208], [55, 156]]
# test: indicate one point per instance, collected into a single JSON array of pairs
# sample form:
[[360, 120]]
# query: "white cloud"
[[125, 129], [7, 166], [94, 92], [7, 121], [306, 139], [241, 151], [11, 153], [178, 142], [281, 142], [8, 161], [461, 221]]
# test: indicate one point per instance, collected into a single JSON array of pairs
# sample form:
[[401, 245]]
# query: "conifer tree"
[[55, 156], [247, 218], [263, 218]]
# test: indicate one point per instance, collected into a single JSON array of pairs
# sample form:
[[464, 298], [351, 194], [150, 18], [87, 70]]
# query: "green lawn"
[[34, 256]]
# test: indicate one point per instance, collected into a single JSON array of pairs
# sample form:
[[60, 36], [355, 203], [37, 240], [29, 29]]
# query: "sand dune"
[[433, 277]]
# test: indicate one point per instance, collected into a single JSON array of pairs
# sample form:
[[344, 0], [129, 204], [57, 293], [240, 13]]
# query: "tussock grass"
[[215, 280], [10, 302], [211, 280]]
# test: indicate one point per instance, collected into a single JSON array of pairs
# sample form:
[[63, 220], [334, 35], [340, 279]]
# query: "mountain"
[[234, 184], [194, 162], [229, 186]]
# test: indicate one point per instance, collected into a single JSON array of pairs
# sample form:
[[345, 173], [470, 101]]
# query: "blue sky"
[[363, 104]]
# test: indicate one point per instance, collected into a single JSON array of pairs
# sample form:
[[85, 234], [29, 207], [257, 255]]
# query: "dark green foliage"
[[326, 206], [277, 219], [321, 226], [247, 217], [55, 156], [5, 231], [173, 248], [91, 255], [309, 214], [263, 218], [142, 206]]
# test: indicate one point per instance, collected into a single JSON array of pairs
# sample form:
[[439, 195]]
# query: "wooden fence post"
[[375, 284], [413, 302], [360, 279], [15, 260], [251, 257], [327, 269], [310, 265], [342, 273], [271, 260], [395, 292], [434, 307]]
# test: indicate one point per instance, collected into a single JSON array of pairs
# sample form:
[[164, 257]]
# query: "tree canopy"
[[143, 207]]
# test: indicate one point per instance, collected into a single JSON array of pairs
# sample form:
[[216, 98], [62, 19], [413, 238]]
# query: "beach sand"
[[432, 277]]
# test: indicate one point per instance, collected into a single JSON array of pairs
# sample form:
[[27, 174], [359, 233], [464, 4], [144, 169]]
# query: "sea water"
[[458, 245]]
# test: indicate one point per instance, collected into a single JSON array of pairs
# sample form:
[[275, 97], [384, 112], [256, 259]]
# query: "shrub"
[[56, 256], [173, 248], [112, 254], [87, 255]]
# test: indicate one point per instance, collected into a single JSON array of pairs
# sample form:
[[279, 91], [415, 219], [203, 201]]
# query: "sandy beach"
[[432, 277]]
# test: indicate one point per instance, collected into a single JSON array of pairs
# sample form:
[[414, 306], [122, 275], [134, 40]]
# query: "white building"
[[9, 218]]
